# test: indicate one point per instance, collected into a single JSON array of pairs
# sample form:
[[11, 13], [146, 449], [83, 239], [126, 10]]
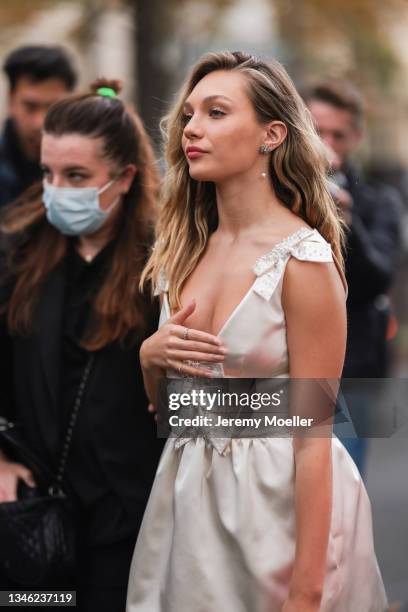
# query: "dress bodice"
[[255, 332], [221, 528]]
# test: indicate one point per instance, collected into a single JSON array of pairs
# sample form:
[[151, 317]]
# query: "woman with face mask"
[[73, 251], [248, 262]]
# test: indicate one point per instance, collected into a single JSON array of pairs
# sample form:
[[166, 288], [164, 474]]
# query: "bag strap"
[[56, 489]]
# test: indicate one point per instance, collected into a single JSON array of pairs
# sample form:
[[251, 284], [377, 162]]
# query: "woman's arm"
[[169, 349], [314, 304]]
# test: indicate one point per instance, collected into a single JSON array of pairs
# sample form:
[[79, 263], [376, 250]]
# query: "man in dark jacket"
[[372, 214], [38, 76]]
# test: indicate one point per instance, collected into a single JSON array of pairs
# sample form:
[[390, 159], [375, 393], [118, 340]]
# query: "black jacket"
[[17, 173], [372, 255], [115, 449]]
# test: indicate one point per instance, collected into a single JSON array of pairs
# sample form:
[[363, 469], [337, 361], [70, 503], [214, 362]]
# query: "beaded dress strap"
[[305, 244]]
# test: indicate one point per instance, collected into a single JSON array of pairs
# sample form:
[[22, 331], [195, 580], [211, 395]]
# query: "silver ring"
[[185, 333], [195, 364]]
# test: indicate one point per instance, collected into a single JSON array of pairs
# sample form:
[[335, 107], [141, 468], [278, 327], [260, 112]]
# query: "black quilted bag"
[[38, 531]]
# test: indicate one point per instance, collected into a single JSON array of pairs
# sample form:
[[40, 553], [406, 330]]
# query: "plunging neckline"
[[239, 305]]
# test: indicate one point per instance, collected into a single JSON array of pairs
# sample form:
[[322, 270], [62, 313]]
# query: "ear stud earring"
[[263, 175], [265, 149]]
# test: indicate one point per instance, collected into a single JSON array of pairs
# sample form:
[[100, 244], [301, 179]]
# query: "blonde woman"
[[248, 262]]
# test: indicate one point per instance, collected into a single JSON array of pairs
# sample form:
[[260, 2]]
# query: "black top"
[[84, 472], [115, 450], [82, 282], [371, 258], [17, 172]]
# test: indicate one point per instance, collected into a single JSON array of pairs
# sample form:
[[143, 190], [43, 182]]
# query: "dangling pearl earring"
[[265, 149]]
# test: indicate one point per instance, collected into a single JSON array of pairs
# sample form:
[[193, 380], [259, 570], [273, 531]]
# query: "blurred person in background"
[[373, 216], [70, 289], [37, 77]]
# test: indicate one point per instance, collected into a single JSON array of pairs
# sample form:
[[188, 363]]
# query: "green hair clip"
[[108, 92]]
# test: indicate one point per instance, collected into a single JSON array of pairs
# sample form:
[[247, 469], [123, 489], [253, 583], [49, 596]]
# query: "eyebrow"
[[210, 99], [69, 168], [32, 102]]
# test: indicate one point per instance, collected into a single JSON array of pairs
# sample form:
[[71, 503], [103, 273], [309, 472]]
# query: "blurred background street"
[[387, 483]]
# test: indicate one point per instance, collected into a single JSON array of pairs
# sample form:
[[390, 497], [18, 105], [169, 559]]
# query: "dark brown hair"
[[37, 247], [340, 94]]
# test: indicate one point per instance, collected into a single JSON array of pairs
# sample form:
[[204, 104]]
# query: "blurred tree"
[[357, 28], [157, 32], [14, 13], [85, 33]]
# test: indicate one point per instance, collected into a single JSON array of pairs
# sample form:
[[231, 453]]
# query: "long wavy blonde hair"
[[298, 170]]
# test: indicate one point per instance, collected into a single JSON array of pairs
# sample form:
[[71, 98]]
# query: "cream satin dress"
[[219, 531]]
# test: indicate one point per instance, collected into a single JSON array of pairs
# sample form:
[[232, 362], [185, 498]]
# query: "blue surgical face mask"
[[75, 211]]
